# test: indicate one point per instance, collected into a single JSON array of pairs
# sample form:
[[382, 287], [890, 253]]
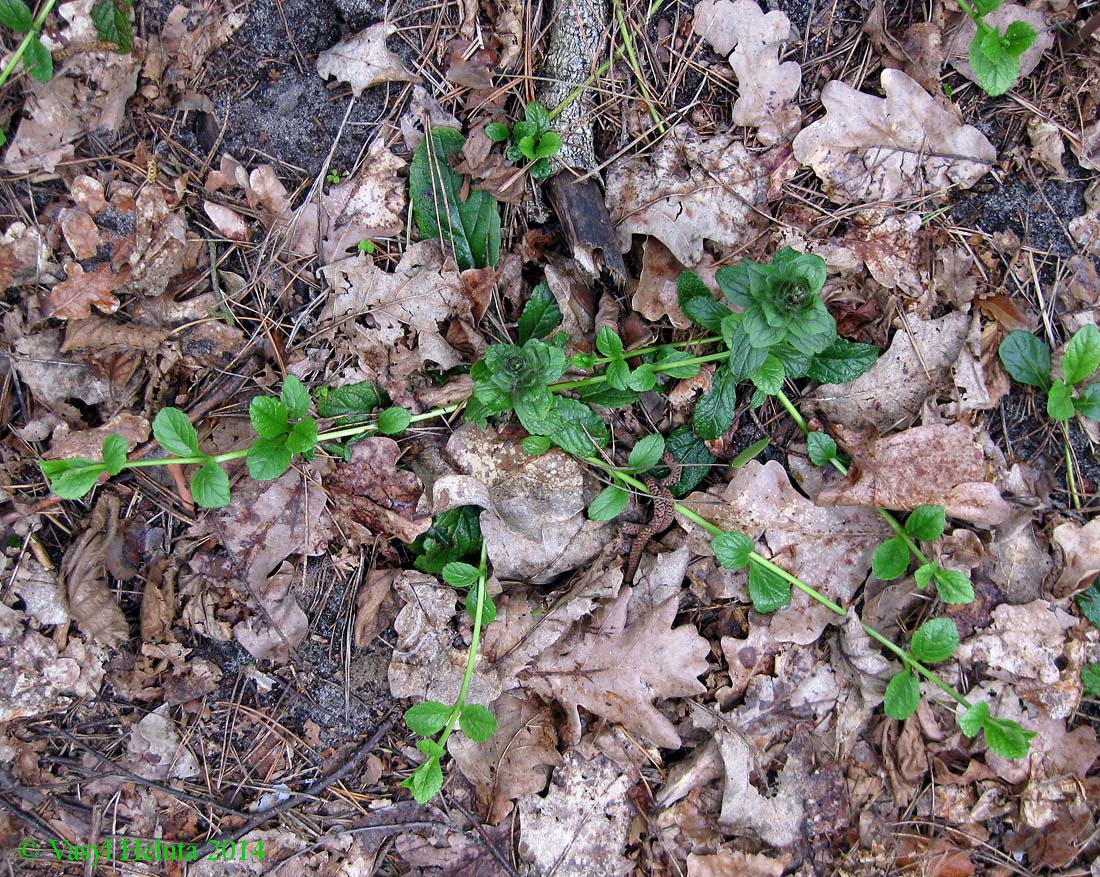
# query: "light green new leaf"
[[477, 722], [1060, 401], [427, 718], [732, 550], [902, 695], [934, 641], [15, 14], [268, 458], [71, 478], [1007, 738], [953, 587], [302, 437], [821, 448], [1082, 355], [269, 417], [394, 420], [210, 486], [767, 590], [114, 453], [174, 432], [647, 453], [295, 397], [426, 781], [610, 503], [890, 560], [460, 575], [926, 522]]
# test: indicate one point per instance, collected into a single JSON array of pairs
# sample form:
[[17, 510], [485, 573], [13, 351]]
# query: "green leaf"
[[210, 486], [174, 432], [971, 721], [114, 453], [268, 458], [984, 7], [934, 641], [431, 748], [453, 535], [607, 397], [488, 608], [902, 695], [540, 169], [666, 364], [1019, 36], [642, 379], [1088, 601], [821, 448], [577, 429], [926, 522], [924, 573], [360, 398], [732, 550], [295, 397], [535, 445], [890, 560], [1090, 679], [523, 129], [1007, 738], [536, 114], [1060, 401], [692, 453], [16, 15], [497, 132], [38, 60], [768, 591], [745, 359], [470, 227], [609, 504], [1026, 358], [647, 453], [460, 575], [714, 411], [71, 478], [1082, 355], [749, 453], [477, 722], [540, 316], [609, 343], [842, 361], [303, 436], [527, 146], [618, 374], [112, 23], [995, 68], [768, 378], [269, 417], [953, 587], [698, 303], [1088, 403], [426, 781], [394, 420], [549, 144]]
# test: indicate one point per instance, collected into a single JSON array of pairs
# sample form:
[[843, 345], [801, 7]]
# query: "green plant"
[[434, 722], [1090, 679], [531, 139], [892, 558], [365, 247], [470, 226], [112, 23], [995, 55], [1027, 359]]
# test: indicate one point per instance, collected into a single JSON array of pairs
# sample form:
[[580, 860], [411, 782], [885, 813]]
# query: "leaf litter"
[[664, 728]]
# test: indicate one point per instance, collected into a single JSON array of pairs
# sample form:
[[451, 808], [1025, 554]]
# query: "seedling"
[[892, 558], [366, 247], [333, 177], [995, 56], [530, 139], [1027, 359], [112, 24]]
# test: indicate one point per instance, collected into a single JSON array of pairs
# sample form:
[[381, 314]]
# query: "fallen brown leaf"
[[93, 606], [73, 298], [1080, 547], [363, 60]]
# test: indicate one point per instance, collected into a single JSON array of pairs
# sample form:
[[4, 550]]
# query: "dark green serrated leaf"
[[698, 303], [667, 364], [174, 432], [16, 15], [902, 695], [890, 560], [114, 453], [608, 397], [360, 398], [210, 486], [694, 457], [768, 378], [477, 722], [1026, 359], [953, 587], [497, 132], [714, 411], [470, 228], [576, 428], [537, 115], [1090, 679], [454, 535], [926, 522], [842, 362], [540, 316], [934, 641], [535, 445], [732, 550], [295, 397], [618, 375], [268, 458], [767, 590], [112, 23], [460, 575]]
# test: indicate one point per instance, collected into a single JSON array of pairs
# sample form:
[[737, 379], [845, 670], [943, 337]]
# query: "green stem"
[[21, 49], [471, 657], [680, 363], [632, 60], [1071, 478]]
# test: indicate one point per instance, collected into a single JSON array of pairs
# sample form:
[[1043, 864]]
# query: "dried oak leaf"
[[534, 523], [161, 248], [73, 298], [580, 827], [938, 465], [917, 364], [363, 60], [373, 492], [726, 863], [370, 204], [425, 662], [617, 671], [880, 149], [1081, 552], [53, 378], [88, 443], [689, 191], [656, 295], [35, 678], [767, 90], [40, 592], [156, 751], [87, 92], [958, 46], [514, 762], [829, 547]]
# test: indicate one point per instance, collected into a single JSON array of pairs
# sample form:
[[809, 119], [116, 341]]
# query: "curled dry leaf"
[[87, 92], [363, 60], [617, 671], [917, 364], [580, 827], [156, 751], [53, 377], [830, 547], [767, 90], [514, 762], [92, 605], [229, 223], [689, 191], [425, 664], [727, 862], [373, 492], [278, 626], [1081, 553], [958, 45], [937, 465], [656, 296], [534, 523], [880, 149]]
